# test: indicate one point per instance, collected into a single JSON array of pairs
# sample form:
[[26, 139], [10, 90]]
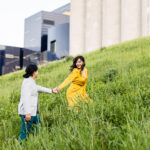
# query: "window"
[[53, 46], [43, 43], [49, 22]]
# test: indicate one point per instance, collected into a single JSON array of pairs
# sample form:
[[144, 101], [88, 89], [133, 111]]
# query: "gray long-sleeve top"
[[29, 97]]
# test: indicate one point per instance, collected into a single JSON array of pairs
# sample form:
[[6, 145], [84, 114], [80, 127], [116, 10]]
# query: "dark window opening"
[[44, 43], [53, 46], [2, 61], [21, 58], [50, 22]]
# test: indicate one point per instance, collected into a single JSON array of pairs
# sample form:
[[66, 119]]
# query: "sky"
[[13, 13]]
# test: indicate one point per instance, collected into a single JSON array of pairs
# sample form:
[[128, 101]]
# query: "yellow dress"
[[77, 90]]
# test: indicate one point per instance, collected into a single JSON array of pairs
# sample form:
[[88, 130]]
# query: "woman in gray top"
[[28, 107]]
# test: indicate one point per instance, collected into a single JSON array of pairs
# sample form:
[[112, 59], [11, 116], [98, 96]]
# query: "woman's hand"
[[56, 90], [28, 117], [86, 96]]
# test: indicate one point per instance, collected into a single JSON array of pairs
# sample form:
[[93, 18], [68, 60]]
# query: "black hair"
[[75, 61], [31, 68]]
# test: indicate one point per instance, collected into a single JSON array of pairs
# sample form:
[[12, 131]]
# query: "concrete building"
[[46, 38], [93, 28], [98, 23], [63, 10], [13, 58], [36, 29], [77, 27], [58, 40]]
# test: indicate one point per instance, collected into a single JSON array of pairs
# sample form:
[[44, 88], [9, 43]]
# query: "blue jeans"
[[27, 125]]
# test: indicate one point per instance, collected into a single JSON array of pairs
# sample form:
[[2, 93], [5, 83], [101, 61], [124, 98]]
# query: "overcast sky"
[[13, 13]]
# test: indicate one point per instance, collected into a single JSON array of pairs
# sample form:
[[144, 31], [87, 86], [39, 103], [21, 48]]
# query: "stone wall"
[[99, 23]]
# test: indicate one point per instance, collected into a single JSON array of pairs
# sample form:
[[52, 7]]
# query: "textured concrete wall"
[[97, 23], [77, 27], [144, 17], [111, 22], [147, 18], [131, 19], [93, 25]]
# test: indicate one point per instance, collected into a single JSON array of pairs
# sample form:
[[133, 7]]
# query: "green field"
[[118, 119]]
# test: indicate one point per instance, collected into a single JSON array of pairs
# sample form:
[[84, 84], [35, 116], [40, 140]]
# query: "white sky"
[[13, 13]]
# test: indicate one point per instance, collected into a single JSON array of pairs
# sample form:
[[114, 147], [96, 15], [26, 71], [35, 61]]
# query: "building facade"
[[63, 10], [99, 23], [58, 40], [36, 29], [13, 58], [46, 38]]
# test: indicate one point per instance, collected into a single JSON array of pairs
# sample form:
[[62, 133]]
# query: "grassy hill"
[[119, 118]]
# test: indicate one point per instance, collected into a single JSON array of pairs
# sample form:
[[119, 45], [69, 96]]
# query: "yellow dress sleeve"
[[72, 76]]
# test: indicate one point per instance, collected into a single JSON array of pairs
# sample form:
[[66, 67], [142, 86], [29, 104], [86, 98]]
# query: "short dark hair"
[[30, 69]]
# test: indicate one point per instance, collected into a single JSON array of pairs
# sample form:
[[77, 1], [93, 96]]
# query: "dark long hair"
[[75, 61], [31, 68]]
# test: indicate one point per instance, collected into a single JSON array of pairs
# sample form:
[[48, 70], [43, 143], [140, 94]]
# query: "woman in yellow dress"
[[78, 76]]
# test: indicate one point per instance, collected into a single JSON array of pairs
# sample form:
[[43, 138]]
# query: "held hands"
[[56, 90], [86, 96]]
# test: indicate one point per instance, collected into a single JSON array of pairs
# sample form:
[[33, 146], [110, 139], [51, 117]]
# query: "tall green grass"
[[119, 118]]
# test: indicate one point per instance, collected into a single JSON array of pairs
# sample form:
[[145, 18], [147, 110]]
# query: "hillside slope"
[[119, 118]]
